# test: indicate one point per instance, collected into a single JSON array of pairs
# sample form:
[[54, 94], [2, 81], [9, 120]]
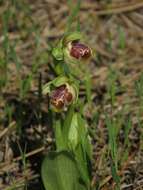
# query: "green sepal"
[[59, 81], [46, 88], [55, 83], [72, 36], [57, 52]]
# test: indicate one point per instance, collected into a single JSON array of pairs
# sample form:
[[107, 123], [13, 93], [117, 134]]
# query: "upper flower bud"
[[79, 50], [72, 48], [75, 49]]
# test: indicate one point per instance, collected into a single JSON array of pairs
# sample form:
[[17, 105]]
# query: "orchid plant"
[[68, 167]]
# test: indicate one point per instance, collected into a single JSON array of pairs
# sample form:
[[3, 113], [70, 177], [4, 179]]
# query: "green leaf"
[[25, 86], [73, 132], [84, 151], [82, 165], [74, 10], [122, 38], [60, 145], [88, 87], [59, 172], [85, 139], [115, 174], [67, 122]]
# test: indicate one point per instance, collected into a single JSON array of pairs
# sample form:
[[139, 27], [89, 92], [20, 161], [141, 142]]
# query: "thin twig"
[[21, 182], [5, 131], [6, 164], [38, 150], [122, 9]]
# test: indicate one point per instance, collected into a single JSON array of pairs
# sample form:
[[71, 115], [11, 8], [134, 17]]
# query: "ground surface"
[[114, 29]]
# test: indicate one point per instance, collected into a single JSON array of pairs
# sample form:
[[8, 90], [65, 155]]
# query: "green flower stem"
[[71, 134]]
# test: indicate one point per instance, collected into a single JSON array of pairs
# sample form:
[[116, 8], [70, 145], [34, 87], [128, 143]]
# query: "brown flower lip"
[[61, 97], [79, 50], [68, 97]]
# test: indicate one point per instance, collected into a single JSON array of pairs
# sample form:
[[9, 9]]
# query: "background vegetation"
[[114, 30]]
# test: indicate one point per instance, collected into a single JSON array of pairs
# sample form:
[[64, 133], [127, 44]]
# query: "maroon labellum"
[[58, 92], [68, 97], [79, 50], [58, 97], [61, 97]]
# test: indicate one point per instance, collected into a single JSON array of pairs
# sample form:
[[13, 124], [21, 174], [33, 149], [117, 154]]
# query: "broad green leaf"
[[60, 145], [85, 139], [73, 132], [82, 165], [84, 151], [66, 124], [59, 172]]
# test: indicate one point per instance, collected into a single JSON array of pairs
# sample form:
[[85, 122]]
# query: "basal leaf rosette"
[[62, 92]]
